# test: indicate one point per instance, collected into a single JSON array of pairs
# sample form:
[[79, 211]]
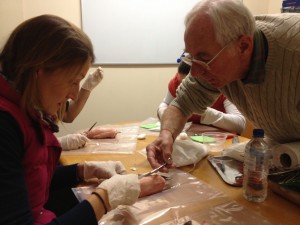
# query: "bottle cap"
[[258, 133]]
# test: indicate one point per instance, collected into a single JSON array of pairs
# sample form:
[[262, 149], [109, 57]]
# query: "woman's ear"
[[37, 73]]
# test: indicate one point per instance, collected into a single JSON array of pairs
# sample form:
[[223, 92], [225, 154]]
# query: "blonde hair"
[[48, 42]]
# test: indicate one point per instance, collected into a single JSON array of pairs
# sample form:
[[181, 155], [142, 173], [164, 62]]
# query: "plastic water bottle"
[[256, 168]]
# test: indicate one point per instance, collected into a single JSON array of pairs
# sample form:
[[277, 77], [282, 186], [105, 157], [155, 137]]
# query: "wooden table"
[[275, 208]]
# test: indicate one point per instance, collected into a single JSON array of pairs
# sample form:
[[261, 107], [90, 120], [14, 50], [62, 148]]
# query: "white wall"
[[275, 6], [11, 14], [263, 6], [126, 93], [257, 6]]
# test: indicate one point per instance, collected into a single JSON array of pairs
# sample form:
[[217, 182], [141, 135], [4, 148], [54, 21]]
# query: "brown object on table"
[[102, 132], [286, 184], [285, 192]]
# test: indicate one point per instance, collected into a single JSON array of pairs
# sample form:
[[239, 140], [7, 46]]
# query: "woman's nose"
[[73, 94]]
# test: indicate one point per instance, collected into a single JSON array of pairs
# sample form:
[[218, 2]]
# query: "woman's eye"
[[76, 83]]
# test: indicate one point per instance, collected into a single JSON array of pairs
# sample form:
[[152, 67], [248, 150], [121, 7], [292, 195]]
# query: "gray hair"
[[230, 18]]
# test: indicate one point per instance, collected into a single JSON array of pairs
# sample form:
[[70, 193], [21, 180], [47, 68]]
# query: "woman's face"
[[54, 88]]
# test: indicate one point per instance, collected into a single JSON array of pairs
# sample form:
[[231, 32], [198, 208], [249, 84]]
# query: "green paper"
[[200, 139], [150, 125]]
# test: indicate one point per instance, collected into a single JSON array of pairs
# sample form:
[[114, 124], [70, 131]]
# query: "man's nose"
[[197, 71]]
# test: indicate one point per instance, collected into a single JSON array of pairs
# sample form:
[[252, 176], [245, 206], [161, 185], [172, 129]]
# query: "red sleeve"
[[173, 84], [219, 104], [195, 118]]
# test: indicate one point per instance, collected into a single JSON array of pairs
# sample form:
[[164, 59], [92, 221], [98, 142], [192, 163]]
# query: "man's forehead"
[[199, 31]]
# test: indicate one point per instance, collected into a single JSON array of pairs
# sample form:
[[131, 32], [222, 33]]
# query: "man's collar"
[[256, 74]]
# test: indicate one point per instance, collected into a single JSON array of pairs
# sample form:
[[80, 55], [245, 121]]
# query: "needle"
[[91, 127]]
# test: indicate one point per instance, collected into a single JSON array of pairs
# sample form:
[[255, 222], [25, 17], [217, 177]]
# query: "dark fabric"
[[61, 200], [14, 202], [64, 177], [81, 214], [61, 197], [256, 74]]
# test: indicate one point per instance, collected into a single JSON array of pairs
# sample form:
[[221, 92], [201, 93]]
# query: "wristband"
[[101, 200]]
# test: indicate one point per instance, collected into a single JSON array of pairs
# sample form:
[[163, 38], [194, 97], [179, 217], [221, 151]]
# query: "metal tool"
[[235, 140], [152, 171], [91, 127]]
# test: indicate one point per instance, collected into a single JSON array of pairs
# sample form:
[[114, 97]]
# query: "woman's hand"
[[126, 189], [72, 141], [102, 169]]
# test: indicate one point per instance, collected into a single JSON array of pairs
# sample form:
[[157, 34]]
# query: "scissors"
[[152, 171]]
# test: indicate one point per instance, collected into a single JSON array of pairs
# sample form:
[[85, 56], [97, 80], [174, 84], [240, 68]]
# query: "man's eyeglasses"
[[190, 60]]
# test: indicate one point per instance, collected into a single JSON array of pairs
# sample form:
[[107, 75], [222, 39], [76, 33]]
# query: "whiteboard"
[[136, 31]]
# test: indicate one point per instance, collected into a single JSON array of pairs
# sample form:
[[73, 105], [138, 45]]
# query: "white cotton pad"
[[183, 136], [141, 136]]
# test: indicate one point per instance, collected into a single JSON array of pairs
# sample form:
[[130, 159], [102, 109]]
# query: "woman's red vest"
[[42, 152]]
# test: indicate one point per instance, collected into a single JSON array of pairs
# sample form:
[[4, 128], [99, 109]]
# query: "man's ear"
[[245, 45]]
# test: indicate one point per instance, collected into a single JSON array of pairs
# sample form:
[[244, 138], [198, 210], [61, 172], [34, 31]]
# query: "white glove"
[[93, 79], [102, 170], [72, 141], [122, 189]]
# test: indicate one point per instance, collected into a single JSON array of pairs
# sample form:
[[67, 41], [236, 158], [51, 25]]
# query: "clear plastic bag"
[[124, 143], [186, 199]]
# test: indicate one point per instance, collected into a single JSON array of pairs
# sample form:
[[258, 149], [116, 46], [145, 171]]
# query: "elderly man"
[[253, 61]]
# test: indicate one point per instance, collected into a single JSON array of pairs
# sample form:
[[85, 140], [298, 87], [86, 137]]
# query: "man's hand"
[[160, 151]]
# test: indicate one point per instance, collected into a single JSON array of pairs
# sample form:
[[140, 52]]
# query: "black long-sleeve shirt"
[[14, 202]]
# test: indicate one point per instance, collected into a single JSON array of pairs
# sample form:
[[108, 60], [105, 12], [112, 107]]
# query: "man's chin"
[[216, 84]]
